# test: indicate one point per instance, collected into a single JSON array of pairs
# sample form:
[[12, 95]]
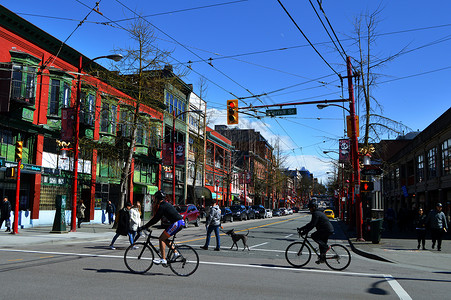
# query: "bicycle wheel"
[[298, 254], [138, 258], [338, 257], [186, 263]]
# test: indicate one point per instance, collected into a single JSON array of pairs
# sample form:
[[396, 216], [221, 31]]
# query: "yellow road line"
[[265, 225], [15, 259]]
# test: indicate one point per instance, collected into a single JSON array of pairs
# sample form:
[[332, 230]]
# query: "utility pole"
[[355, 175]]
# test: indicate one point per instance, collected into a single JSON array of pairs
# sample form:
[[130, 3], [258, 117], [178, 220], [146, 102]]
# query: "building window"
[[209, 179], [23, 83], [59, 96], [446, 157], [87, 113], [432, 163], [420, 168], [108, 115], [176, 105]]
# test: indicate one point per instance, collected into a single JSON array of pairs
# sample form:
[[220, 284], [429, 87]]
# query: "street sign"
[[281, 112], [372, 171], [31, 168]]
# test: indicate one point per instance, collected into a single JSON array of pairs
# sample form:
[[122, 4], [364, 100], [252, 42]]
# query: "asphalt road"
[[89, 270]]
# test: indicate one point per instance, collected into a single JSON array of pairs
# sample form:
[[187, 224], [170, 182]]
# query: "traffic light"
[[19, 148], [366, 186], [232, 112]]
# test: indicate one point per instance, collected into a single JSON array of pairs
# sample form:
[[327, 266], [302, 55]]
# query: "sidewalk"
[[401, 248], [42, 235]]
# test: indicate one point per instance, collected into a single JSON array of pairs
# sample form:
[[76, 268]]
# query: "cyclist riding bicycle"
[[324, 229], [164, 209]]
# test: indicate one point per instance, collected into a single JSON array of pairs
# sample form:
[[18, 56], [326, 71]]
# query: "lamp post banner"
[[344, 151], [67, 123], [179, 153], [167, 154]]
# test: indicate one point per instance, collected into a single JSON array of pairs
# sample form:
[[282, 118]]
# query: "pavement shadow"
[[127, 272]]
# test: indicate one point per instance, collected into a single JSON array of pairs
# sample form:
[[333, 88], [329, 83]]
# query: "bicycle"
[[183, 260], [298, 254]]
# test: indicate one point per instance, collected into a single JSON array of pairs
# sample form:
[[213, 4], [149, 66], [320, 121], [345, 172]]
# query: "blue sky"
[[255, 48]]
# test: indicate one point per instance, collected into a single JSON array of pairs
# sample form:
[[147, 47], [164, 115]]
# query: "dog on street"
[[236, 237]]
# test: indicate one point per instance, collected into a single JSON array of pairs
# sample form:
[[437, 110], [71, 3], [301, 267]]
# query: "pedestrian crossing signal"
[[232, 112], [367, 186], [19, 149]]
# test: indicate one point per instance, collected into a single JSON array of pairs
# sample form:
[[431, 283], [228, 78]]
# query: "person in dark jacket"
[[6, 214], [436, 221], [123, 225], [420, 228], [111, 210], [324, 229], [164, 209]]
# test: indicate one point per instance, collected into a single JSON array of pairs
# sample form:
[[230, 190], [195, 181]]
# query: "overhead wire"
[[303, 34]]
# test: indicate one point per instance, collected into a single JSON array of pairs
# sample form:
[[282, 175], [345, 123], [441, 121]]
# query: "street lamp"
[[174, 117], [321, 106], [115, 57]]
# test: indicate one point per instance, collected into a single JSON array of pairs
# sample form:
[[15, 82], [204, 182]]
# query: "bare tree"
[[367, 65]]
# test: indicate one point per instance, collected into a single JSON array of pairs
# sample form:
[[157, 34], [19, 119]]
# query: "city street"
[[81, 269]]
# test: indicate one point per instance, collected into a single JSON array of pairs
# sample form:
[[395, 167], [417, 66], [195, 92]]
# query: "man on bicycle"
[[163, 208], [324, 229]]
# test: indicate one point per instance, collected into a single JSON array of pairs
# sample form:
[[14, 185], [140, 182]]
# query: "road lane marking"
[[259, 245], [402, 294], [288, 236], [18, 259]]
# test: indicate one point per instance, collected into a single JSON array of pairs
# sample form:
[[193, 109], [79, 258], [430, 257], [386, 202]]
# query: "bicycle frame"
[[170, 245], [306, 241]]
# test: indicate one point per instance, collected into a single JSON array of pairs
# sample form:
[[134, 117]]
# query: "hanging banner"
[[344, 151], [67, 123], [179, 153], [167, 154]]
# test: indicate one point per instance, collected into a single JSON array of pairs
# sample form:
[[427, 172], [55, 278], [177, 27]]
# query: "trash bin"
[[367, 230], [376, 230]]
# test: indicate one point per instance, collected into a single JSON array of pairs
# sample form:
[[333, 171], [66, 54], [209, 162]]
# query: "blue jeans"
[[130, 238], [216, 230]]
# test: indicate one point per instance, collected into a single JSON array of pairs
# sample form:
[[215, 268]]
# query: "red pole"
[[16, 207], [76, 146], [355, 176], [173, 157]]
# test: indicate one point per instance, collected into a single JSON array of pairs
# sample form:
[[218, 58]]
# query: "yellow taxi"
[[329, 213]]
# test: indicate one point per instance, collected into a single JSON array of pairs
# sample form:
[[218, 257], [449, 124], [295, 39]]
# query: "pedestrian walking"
[[420, 228], [123, 225], [6, 214], [80, 212], [213, 224], [436, 222], [111, 210], [135, 221]]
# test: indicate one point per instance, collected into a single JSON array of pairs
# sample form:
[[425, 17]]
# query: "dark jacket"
[[6, 210], [320, 222], [123, 223], [111, 208], [436, 220], [420, 222], [168, 211]]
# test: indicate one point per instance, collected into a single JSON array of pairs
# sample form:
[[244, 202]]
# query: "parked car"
[[329, 213], [226, 215], [189, 213], [283, 211], [239, 212], [250, 212], [276, 212], [268, 213], [259, 211], [289, 211], [295, 209]]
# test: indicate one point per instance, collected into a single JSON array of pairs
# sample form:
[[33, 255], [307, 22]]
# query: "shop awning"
[[202, 192]]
